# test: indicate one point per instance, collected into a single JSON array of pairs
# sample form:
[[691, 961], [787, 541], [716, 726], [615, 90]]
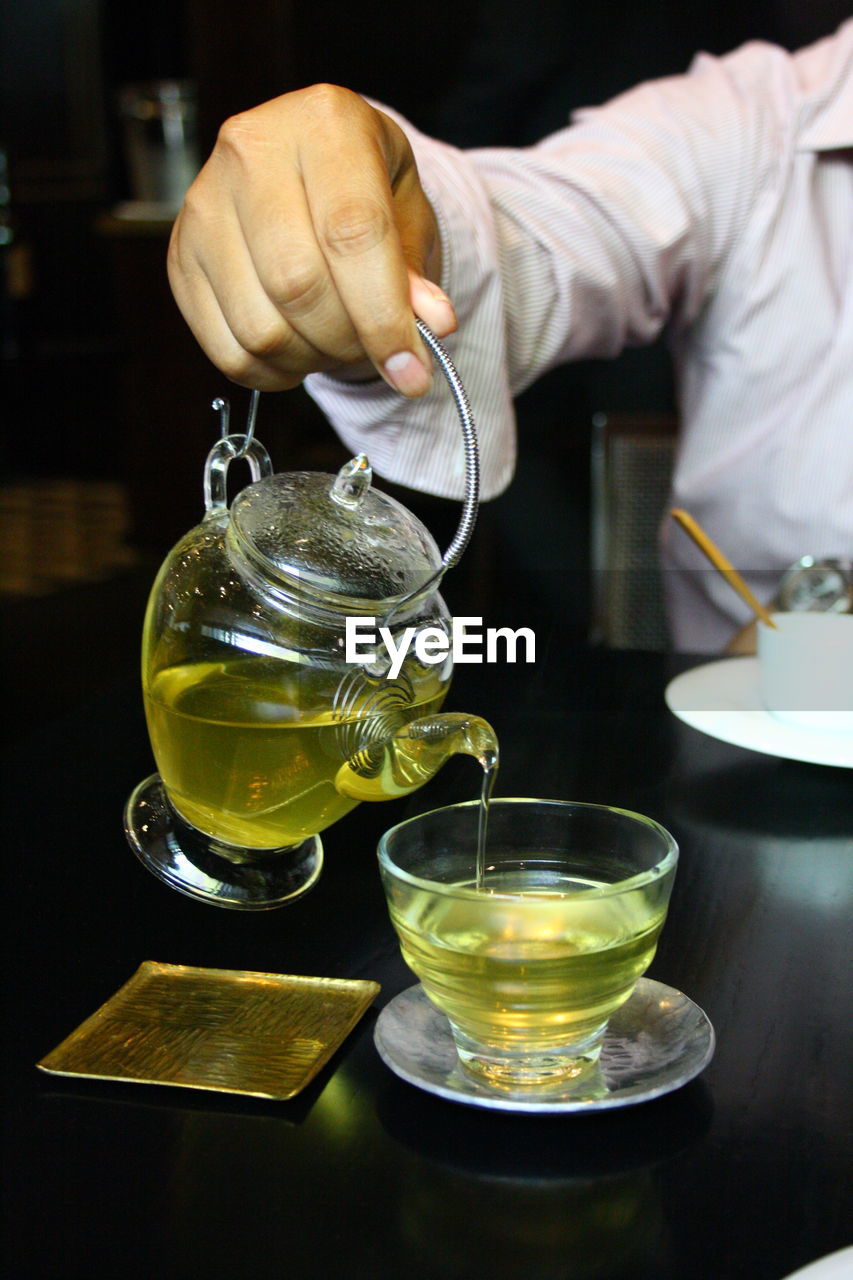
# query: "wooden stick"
[[719, 561]]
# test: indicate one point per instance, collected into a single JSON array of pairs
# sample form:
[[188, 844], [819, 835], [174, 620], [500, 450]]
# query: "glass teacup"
[[530, 968]]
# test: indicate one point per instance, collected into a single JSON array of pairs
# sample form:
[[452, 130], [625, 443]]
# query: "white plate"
[[722, 700], [835, 1266]]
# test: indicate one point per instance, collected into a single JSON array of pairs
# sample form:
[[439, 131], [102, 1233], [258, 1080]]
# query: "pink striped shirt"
[[718, 204]]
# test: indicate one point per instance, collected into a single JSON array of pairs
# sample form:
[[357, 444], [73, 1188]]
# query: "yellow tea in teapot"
[[252, 754]]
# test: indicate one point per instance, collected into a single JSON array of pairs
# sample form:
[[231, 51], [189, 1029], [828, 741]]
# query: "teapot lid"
[[334, 536]]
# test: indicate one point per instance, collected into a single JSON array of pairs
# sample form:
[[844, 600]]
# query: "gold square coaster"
[[230, 1030]]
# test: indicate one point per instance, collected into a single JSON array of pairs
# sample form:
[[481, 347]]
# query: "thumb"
[[431, 304]]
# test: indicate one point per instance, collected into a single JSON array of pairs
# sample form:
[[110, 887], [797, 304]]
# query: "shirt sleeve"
[[591, 241]]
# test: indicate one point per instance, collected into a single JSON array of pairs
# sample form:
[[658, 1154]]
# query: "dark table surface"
[[742, 1172]]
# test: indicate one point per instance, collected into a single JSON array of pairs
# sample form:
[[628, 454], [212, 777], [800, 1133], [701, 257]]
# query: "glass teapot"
[[272, 701]]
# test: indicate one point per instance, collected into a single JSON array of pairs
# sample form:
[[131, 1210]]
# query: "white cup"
[[806, 670]]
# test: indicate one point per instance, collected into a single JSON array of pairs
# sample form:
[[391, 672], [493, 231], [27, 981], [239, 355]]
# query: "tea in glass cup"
[[529, 968]]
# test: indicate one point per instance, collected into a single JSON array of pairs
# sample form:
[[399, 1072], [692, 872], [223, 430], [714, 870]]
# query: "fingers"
[[231, 316], [349, 164], [305, 244], [236, 281]]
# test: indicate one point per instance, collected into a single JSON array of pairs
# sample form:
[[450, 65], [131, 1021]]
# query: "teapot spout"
[[415, 754]]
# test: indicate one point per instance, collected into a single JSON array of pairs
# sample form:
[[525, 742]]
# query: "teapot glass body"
[[262, 732]]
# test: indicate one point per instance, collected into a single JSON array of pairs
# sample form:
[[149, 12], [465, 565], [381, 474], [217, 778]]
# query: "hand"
[[307, 244]]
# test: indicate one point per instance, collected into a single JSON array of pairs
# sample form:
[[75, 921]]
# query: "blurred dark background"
[[102, 383]]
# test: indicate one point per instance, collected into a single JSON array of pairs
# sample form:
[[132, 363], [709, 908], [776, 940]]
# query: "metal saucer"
[[655, 1043]]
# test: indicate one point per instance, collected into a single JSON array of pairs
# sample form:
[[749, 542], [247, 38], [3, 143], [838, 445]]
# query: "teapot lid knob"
[[352, 482]]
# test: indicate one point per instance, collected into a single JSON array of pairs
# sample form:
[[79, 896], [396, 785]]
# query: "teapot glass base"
[[203, 868]]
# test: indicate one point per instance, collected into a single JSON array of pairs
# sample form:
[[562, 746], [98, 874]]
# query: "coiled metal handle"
[[471, 500]]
